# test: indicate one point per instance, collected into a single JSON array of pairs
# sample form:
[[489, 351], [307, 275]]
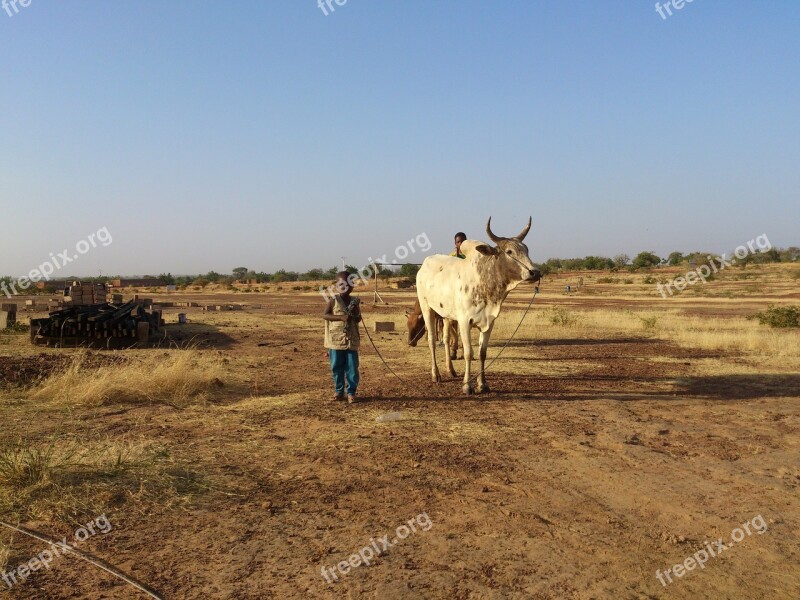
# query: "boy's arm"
[[328, 314]]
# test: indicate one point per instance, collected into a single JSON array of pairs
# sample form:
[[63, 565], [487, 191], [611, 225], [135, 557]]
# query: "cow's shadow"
[[584, 342], [544, 389], [709, 387], [738, 387]]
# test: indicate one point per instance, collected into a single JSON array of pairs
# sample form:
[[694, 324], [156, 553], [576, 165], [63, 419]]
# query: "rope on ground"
[[98, 562]]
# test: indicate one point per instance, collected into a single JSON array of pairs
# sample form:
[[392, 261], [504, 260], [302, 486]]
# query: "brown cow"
[[416, 329]]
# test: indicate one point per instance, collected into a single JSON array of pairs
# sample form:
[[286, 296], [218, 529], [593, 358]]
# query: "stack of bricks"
[[8, 315], [146, 302], [84, 294], [78, 325], [223, 307], [36, 306]]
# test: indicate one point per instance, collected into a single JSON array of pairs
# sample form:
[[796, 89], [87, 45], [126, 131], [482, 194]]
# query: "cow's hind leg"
[[463, 329], [448, 334], [484, 344], [430, 324]]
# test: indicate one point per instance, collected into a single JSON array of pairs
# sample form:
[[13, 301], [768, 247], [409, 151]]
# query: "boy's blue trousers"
[[344, 366]]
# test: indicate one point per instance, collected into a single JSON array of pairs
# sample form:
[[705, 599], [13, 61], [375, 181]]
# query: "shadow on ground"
[[201, 335], [606, 387]]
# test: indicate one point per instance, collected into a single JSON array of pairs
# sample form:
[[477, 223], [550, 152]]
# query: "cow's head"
[[511, 254], [416, 325]]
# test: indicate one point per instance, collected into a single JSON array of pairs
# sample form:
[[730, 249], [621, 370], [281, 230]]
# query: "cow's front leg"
[[463, 329], [430, 325], [454, 340], [448, 333], [484, 344]]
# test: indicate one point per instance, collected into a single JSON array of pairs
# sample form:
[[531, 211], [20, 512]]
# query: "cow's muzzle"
[[535, 275]]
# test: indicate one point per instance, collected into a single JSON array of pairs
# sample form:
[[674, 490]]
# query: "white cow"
[[471, 291]]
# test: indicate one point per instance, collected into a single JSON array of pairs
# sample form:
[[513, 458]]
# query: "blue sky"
[[266, 134]]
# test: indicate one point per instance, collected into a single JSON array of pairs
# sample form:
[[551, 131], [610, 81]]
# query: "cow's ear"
[[487, 250]]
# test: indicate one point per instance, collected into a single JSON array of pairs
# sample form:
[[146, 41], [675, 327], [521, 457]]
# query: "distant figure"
[[342, 338], [459, 238], [568, 289]]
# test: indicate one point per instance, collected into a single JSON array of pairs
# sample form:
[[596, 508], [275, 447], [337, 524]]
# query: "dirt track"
[[590, 465]]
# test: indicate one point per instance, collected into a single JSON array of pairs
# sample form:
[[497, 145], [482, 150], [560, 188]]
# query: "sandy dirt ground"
[[593, 463]]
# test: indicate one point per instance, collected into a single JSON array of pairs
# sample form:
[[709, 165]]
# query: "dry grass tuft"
[[176, 377], [62, 479], [5, 553], [23, 466], [780, 316], [732, 334], [561, 317]]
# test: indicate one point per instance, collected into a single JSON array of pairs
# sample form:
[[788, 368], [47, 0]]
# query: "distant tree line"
[[649, 259], [245, 275], [643, 260]]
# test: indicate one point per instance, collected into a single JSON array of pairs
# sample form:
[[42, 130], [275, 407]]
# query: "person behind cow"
[[460, 237], [342, 338]]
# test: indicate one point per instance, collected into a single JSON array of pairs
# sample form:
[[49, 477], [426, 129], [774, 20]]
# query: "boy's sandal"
[[338, 398], [351, 399]]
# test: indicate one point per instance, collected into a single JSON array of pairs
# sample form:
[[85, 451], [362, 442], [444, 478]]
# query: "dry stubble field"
[[622, 432]]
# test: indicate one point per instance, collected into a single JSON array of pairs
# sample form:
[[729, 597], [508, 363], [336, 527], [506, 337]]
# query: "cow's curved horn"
[[525, 231], [492, 236]]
